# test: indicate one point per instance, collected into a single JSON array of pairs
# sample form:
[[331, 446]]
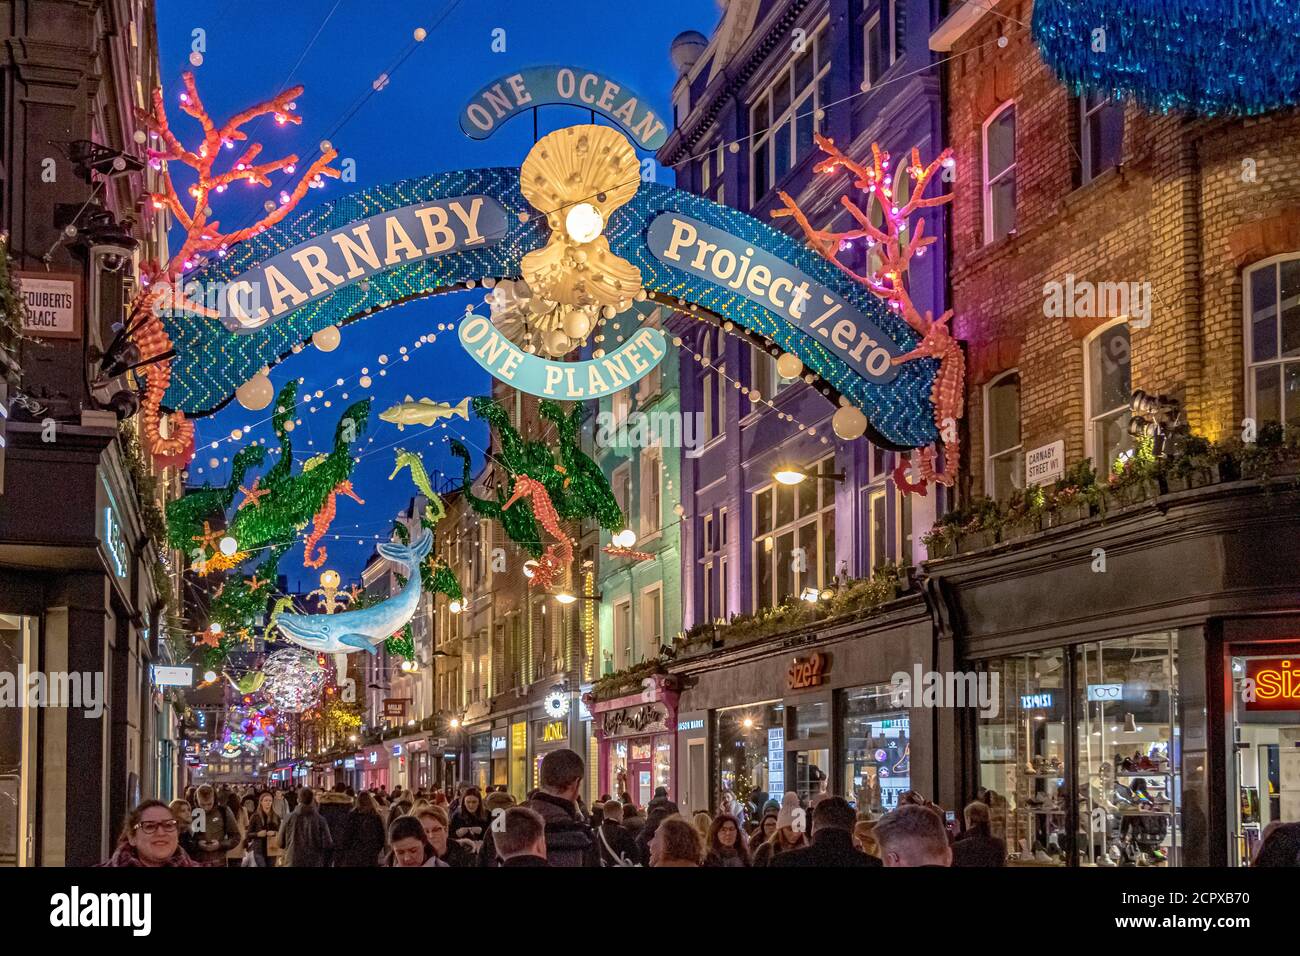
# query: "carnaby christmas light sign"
[[312, 270], [569, 381]]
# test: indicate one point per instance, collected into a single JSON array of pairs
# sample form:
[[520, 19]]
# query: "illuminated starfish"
[[253, 495], [209, 538], [220, 587], [255, 582]]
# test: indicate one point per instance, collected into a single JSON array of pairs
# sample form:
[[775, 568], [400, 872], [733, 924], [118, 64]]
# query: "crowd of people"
[[242, 827]]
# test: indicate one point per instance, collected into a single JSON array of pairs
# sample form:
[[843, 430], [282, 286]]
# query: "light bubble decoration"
[[294, 679]]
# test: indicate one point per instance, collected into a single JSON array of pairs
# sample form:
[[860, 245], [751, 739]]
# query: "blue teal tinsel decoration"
[[1207, 57]]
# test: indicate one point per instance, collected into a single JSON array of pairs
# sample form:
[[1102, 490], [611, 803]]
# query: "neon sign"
[[1272, 684]]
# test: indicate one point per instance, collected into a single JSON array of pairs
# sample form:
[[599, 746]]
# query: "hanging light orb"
[[327, 339]]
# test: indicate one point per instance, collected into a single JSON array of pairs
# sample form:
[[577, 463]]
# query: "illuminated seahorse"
[[409, 459], [557, 557], [320, 523]]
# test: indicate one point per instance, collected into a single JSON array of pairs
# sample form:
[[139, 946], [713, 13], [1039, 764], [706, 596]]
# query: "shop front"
[[1147, 713], [636, 740], [374, 767], [549, 733], [812, 711]]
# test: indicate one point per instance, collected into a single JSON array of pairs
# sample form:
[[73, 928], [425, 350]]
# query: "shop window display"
[[1022, 757], [749, 752], [876, 749], [1128, 744]]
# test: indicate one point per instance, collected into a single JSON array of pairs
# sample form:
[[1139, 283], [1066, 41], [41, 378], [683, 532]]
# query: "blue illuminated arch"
[[211, 362]]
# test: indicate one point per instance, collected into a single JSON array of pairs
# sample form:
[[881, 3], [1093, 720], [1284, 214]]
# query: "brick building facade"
[[1122, 639]]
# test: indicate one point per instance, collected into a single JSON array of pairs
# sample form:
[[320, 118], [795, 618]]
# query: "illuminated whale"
[[364, 629]]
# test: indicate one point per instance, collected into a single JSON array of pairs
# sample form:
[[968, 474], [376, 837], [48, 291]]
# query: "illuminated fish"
[[424, 412]]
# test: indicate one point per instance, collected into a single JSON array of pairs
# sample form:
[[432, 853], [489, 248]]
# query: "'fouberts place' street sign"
[[706, 251], [554, 85], [312, 270], [568, 381]]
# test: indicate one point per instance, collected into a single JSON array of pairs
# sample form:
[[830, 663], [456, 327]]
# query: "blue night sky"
[[409, 128]]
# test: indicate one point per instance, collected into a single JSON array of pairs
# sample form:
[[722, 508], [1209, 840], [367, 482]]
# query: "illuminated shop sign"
[[552, 730], [643, 718], [1105, 693], [1272, 684], [1035, 701], [114, 540], [735, 264], [696, 724], [499, 743], [538, 86], [807, 672]]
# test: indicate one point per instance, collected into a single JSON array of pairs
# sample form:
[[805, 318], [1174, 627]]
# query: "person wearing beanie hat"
[[791, 831]]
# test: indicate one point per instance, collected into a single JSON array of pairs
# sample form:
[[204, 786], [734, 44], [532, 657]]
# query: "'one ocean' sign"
[[567, 381], [312, 270], [706, 251], [554, 85]]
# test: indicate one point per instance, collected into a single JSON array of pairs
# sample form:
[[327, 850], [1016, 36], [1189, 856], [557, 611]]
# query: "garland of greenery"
[[577, 487]]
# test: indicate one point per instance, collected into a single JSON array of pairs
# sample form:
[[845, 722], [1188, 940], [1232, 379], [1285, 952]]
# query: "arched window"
[[1004, 462], [1272, 304]]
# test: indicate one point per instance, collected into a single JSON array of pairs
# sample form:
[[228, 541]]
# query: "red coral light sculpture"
[[896, 243], [170, 437]]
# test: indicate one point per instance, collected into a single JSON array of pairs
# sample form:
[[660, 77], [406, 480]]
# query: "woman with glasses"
[[436, 828], [150, 838]]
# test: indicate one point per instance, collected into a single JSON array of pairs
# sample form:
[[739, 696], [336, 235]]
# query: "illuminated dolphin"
[[364, 629], [424, 412]]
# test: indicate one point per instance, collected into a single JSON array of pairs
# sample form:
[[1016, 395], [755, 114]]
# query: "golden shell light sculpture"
[[578, 176]]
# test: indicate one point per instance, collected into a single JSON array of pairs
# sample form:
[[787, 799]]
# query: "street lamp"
[[564, 597], [794, 475]]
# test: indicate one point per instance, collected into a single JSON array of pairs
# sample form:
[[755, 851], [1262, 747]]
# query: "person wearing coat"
[[218, 832], [470, 821], [832, 839], [304, 835], [362, 838], [263, 823], [978, 846]]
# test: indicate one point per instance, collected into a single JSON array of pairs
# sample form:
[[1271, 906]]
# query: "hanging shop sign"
[[552, 731], [395, 706], [51, 304], [1045, 464], [566, 381], [538, 86], [640, 719], [557, 702], [164, 676], [807, 671], [314, 269], [1272, 684], [735, 264]]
